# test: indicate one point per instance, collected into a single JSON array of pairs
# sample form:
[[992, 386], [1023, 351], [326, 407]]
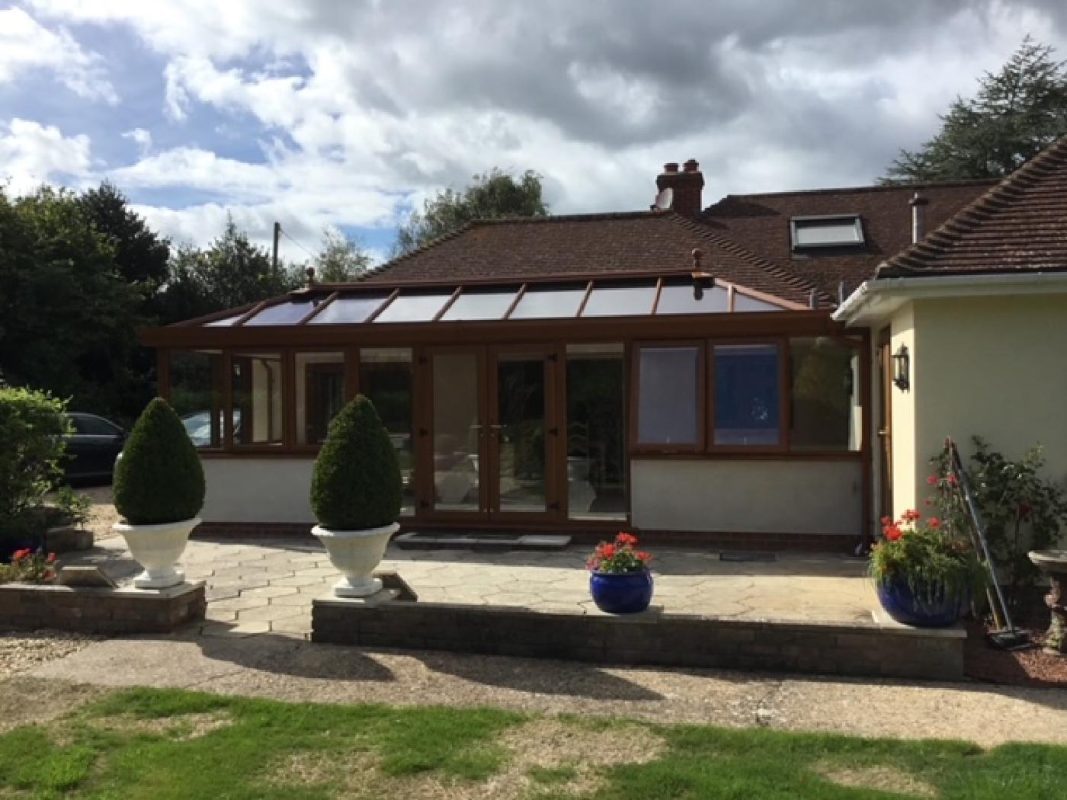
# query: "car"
[[92, 446], [198, 425]]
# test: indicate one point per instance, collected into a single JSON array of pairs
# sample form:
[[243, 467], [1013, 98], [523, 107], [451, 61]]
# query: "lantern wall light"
[[902, 368]]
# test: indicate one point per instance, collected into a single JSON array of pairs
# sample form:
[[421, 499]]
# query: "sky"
[[348, 115]]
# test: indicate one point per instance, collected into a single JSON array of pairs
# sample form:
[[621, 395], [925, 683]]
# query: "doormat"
[[745, 556], [481, 541]]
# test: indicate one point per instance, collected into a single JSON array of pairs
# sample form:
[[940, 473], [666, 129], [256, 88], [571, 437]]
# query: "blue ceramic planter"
[[903, 606], [621, 592]]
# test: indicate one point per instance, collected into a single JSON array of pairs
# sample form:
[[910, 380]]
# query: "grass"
[[170, 744]]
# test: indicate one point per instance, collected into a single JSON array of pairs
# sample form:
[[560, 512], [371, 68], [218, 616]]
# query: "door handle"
[[883, 432]]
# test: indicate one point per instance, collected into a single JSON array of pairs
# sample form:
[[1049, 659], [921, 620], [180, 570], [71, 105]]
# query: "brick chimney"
[[686, 187]]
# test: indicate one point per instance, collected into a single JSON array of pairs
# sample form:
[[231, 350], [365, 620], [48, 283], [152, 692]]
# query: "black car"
[[93, 446]]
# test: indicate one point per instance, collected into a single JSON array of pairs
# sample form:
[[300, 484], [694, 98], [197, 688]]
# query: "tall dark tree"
[[231, 272], [67, 317], [140, 254], [1017, 112], [494, 194], [340, 258]]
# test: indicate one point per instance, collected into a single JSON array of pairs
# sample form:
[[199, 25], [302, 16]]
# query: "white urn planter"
[[356, 554], [157, 548]]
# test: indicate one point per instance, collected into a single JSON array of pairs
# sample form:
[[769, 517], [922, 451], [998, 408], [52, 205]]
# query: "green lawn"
[[170, 744]]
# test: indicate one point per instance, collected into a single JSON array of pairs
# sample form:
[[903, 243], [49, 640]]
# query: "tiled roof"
[[593, 244], [761, 223], [1018, 225]]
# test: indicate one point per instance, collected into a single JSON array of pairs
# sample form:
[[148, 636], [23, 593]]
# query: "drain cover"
[[744, 556]]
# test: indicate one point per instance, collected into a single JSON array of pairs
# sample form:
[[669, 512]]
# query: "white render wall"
[[819, 497], [257, 490]]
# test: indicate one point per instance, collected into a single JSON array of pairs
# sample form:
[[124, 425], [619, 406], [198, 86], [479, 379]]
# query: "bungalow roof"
[[1019, 225]]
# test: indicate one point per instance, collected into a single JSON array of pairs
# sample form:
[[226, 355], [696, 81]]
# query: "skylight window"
[[837, 231]]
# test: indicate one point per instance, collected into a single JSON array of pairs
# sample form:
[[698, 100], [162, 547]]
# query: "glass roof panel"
[[620, 301], [742, 302], [348, 310], [414, 307], [286, 313], [480, 305], [681, 298], [224, 322], [549, 302]]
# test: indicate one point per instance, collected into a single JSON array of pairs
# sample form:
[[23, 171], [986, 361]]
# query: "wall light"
[[902, 368]]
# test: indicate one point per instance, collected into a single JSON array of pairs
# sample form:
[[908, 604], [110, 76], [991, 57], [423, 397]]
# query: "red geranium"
[[619, 556]]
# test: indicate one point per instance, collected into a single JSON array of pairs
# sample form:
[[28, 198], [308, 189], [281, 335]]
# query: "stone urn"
[[157, 548], [356, 554], [1053, 564]]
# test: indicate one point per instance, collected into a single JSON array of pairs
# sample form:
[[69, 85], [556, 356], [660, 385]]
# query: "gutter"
[[877, 298]]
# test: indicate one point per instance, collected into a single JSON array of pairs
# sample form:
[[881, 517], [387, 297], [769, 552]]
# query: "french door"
[[489, 438]]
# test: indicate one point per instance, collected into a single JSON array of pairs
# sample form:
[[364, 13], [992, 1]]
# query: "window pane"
[[282, 314], [320, 394], [746, 394], [827, 232], [258, 417], [224, 322], [413, 308], [611, 301], [742, 302], [596, 432], [668, 395], [826, 412], [521, 441], [385, 376], [679, 298], [457, 426], [547, 303], [196, 395], [348, 310], [480, 305]]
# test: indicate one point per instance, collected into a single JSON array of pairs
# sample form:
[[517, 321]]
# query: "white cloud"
[[141, 137], [32, 154], [360, 110], [27, 45]]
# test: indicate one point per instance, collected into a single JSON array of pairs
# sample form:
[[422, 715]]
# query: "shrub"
[[32, 426], [159, 477], [356, 482], [1021, 509]]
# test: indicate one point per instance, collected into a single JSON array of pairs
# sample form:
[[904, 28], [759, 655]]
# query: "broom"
[[1006, 636]]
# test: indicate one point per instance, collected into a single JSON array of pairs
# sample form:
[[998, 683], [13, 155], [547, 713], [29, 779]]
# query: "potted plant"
[[159, 490], [619, 579], [355, 495], [925, 571]]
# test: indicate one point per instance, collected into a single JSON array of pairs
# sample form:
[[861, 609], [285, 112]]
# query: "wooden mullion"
[[385, 304], [518, 297], [585, 299], [317, 309]]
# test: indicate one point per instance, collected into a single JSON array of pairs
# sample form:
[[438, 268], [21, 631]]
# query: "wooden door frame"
[[554, 440], [885, 423], [487, 357]]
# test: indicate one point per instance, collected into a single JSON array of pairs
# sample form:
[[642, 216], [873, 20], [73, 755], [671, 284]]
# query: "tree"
[[495, 194], [1015, 114], [340, 258], [231, 272], [140, 254], [67, 317]]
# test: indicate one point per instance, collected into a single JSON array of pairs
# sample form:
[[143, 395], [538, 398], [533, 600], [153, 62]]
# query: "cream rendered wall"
[[822, 497], [996, 367], [902, 421], [257, 490]]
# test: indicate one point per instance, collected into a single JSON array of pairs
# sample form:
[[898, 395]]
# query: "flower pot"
[[909, 608], [355, 554], [157, 548], [621, 592]]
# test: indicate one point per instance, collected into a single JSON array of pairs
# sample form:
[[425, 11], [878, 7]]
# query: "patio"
[[267, 585]]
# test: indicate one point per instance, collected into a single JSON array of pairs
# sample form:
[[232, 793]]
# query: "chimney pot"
[[692, 165], [918, 216], [670, 166]]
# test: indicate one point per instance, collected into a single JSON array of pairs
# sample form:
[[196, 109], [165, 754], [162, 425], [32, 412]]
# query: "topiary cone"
[[356, 482], [159, 477]]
